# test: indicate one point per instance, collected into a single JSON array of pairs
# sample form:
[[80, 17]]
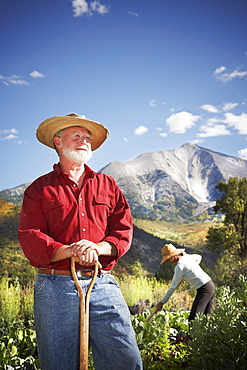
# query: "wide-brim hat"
[[169, 251], [48, 128]]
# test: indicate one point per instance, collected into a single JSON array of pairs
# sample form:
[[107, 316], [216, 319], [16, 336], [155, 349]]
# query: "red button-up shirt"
[[55, 212]]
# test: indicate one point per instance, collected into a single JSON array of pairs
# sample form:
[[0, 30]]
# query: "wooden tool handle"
[[152, 314], [84, 312]]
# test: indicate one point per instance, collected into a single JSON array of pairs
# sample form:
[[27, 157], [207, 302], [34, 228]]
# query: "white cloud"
[[13, 80], [81, 7], [229, 106], [163, 134], [180, 122], [226, 77], [209, 108], [152, 103], [141, 130], [134, 14], [9, 134], [212, 129], [98, 8], [125, 139], [197, 141], [243, 153], [238, 122], [219, 70], [36, 74], [12, 131], [10, 137]]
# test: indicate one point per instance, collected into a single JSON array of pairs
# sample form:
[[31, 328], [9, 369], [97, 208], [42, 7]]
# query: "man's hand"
[[87, 251]]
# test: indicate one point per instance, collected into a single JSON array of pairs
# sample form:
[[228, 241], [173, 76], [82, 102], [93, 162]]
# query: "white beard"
[[77, 156]]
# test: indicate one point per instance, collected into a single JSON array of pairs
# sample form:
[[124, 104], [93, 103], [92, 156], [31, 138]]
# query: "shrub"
[[162, 346], [10, 301], [219, 341]]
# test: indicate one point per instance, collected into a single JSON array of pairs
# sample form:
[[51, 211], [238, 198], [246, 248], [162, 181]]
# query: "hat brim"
[[170, 255], [48, 128]]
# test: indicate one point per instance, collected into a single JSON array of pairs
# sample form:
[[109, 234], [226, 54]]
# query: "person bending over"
[[188, 268]]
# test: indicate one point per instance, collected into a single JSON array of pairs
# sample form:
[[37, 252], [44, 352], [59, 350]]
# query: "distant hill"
[[174, 185]]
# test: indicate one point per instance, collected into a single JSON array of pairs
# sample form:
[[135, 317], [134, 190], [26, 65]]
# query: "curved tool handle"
[[152, 314], [84, 312]]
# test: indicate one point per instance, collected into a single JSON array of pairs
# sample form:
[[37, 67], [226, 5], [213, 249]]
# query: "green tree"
[[230, 239]]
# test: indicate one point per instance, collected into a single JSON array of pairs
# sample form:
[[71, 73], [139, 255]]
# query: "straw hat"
[[48, 128], [169, 251]]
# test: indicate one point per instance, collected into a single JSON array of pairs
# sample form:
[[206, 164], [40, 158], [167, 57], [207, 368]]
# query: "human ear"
[[57, 141]]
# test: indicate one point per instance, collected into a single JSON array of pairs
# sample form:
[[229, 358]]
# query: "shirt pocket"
[[57, 212], [103, 206], [53, 203]]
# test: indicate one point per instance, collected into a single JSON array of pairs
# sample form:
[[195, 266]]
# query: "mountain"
[[174, 185], [14, 195], [177, 184]]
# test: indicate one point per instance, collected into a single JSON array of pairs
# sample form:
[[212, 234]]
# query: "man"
[[187, 268], [74, 211]]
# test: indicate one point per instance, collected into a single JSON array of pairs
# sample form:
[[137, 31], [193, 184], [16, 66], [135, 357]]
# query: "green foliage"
[[10, 301], [15, 303], [18, 339], [219, 341], [162, 346], [142, 288], [13, 263], [18, 347], [228, 268], [233, 204]]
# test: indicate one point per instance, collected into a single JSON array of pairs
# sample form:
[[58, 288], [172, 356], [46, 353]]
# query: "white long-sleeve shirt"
[[187, 268]]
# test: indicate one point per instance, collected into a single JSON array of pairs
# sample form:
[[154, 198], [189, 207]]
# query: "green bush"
[[18, 347], [10, 301], [219, 341], [161, 345]]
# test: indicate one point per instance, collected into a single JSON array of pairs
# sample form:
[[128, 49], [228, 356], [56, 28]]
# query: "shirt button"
[[83, 229], [83, 214]]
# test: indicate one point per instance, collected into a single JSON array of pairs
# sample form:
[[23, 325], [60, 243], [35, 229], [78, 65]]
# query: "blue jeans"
[[56, 309]]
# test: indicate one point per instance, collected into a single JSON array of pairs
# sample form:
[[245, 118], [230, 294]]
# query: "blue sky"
[[157, 73]]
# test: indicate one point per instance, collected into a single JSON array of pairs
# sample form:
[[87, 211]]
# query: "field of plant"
[[166, 341]]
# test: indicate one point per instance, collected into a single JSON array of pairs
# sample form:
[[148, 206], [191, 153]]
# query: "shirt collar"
[[58, 171]]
